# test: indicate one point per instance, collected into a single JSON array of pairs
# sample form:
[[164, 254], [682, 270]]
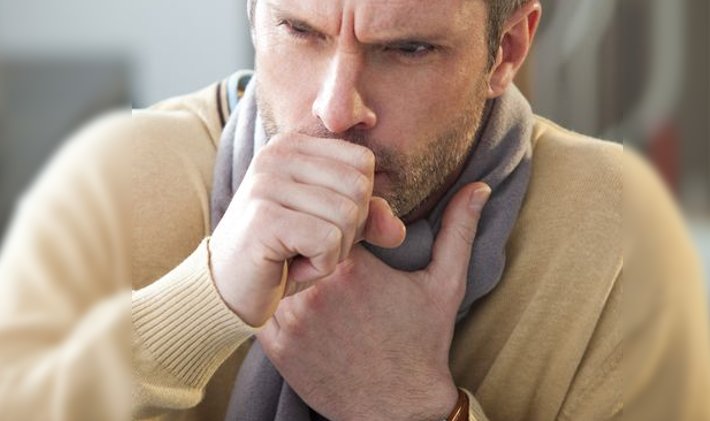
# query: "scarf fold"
[[501, 157]]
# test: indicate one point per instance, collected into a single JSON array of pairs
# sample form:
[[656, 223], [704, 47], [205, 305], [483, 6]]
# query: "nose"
[[340, 104]]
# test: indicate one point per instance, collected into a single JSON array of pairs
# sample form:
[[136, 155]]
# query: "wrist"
[[253, 305], [434, 404], [444, 403]]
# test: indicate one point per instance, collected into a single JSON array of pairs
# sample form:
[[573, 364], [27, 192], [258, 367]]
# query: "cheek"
[[417, 109]]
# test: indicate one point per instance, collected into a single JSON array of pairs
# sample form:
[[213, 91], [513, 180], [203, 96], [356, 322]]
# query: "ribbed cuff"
[[475, 412], [182, 320]]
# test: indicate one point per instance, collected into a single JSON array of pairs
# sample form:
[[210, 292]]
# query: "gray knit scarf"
[[501, 157]]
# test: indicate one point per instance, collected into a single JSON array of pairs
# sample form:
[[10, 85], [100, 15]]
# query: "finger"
[[339, 150], [286, 323], [291, 233], [382, 227], [452, 248], [337, 176], [293, 286], [317, 201], [302, 274]]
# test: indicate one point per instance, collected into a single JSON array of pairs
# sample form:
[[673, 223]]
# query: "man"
[[383, 212]]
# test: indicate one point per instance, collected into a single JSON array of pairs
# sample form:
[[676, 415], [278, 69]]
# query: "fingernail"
[[479, 198]]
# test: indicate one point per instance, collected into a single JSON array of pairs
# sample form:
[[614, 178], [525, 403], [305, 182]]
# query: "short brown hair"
[[498, 12]]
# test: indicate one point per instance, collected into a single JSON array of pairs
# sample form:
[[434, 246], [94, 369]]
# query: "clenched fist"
[[301, 207]]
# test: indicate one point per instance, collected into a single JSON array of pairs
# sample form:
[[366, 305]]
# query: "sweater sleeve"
[[67, 265], [475, 411], [64, 300], [183, 332]]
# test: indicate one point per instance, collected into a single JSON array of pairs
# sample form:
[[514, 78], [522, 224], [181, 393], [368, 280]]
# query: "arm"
[[72, 252], [64, 301]]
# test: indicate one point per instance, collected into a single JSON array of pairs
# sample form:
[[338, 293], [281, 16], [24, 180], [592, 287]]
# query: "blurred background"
[[632, 71]]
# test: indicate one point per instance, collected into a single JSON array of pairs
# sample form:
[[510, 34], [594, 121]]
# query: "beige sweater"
[[565, 336]]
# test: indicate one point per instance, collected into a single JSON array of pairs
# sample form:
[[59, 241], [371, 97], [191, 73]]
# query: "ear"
[[516, 38]]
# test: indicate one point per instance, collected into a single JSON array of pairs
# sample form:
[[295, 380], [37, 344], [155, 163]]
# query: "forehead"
[[381, 18]]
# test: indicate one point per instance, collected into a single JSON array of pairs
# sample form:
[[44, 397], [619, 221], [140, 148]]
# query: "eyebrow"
[[293, 15], [398, 37]]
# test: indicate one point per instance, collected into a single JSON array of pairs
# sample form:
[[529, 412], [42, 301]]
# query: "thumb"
[[382, 227], [452, 249]]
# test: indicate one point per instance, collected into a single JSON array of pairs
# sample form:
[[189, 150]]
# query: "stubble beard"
[[414, 175]]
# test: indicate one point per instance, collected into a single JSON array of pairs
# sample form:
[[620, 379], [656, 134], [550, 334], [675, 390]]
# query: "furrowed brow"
[[298, 16]]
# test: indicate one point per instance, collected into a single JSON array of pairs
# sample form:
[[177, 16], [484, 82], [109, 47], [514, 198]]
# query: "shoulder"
[[574, 201], [571, 161], [660, 292]]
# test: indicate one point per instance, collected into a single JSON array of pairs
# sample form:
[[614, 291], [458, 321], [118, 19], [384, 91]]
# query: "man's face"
[[406, 78]]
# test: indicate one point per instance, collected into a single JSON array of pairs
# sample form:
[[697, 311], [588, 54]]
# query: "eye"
[[296, 29], [412, 49]]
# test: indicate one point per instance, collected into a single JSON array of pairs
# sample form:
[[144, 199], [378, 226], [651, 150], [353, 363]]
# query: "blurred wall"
[[172, 47], [63, 62], [634, 71]]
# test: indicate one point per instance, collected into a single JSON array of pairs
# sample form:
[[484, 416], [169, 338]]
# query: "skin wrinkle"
[[498, 11], [423, 164]]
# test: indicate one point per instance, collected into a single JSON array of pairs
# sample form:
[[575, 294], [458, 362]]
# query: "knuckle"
[[314, 299], [264, 156], [332, 237], [361, 187], [260, 184], [330, 256], [277, 350], [277, 149], [278, 140], [366, 159], [276, 153], [349, 212], [262, 212], [289, 320]]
